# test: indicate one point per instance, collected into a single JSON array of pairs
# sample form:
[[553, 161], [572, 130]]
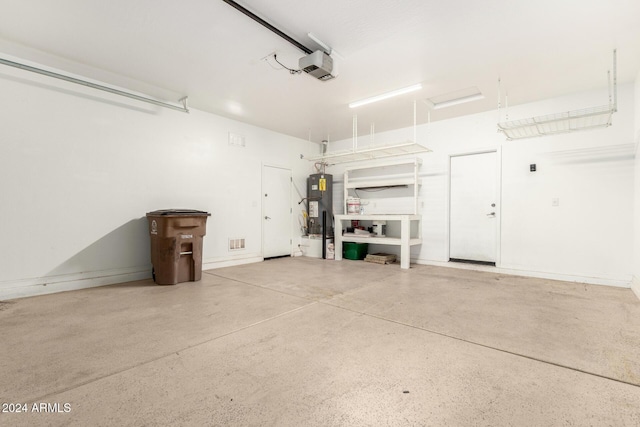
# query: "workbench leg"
[[405, 249], [337, 240]]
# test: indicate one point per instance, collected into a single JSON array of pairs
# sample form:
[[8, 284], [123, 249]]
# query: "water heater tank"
[[320, 198]]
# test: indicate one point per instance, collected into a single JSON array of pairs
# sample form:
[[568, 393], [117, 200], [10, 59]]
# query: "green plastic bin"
[[357, 251]]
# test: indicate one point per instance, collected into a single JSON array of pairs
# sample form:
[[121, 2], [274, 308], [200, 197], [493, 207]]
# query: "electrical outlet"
[[266, 57], [555, 202]]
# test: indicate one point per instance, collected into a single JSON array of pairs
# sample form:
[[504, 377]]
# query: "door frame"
[[498, 152], [262, 213]]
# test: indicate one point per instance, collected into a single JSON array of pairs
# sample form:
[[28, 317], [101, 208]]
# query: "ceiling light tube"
[[457, 101], [386, 95]]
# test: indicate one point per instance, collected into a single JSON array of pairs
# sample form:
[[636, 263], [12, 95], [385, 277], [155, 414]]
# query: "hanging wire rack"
[[372, 152], [569, 121]]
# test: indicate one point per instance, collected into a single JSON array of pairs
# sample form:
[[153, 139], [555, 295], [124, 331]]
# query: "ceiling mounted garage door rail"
[[268, 26], [184, 107]]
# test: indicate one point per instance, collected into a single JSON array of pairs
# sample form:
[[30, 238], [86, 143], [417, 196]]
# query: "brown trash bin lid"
[[178, 212]]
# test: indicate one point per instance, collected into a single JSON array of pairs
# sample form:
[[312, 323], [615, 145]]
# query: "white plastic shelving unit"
[[405, 241], [409, 179]]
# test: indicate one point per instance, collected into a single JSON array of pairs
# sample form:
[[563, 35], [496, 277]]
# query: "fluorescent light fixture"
[[386, 95], [456, 101]]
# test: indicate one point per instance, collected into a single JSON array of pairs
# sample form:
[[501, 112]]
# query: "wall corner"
[[635, 286]]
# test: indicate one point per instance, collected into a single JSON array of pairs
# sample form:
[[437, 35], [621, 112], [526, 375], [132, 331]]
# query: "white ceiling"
[[214, 54]]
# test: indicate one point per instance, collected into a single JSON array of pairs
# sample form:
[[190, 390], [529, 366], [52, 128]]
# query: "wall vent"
[[236, 244], [237, 140]]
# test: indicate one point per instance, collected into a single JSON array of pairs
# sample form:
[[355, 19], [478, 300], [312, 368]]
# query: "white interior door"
[[276, 211], [473, 209]]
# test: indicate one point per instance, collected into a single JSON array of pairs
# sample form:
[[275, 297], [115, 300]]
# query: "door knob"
[[267, 217], [491, 214]]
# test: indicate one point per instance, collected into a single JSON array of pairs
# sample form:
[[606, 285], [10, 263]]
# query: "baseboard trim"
[[635, 286], [23, 288], [226, 262], [620, 283]]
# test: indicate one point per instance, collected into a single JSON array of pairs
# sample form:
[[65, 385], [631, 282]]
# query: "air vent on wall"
[[237, 140], [236, 244]]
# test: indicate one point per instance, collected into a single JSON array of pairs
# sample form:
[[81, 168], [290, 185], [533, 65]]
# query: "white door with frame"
[[276, 211], [473, 208]]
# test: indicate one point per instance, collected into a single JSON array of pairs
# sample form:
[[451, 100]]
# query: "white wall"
[[80, 168], [587, 238], [636, 233]]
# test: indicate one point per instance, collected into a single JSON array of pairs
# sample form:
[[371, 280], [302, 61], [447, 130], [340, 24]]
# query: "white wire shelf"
[[569, 121], [370, 153]]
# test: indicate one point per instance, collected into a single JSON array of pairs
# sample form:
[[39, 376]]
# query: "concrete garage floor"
[[300, 341]]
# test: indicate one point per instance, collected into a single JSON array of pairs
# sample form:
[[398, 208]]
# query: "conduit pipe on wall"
[[25, 67]]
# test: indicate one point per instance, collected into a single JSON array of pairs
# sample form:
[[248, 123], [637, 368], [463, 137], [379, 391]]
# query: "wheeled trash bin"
[[176, 244]]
